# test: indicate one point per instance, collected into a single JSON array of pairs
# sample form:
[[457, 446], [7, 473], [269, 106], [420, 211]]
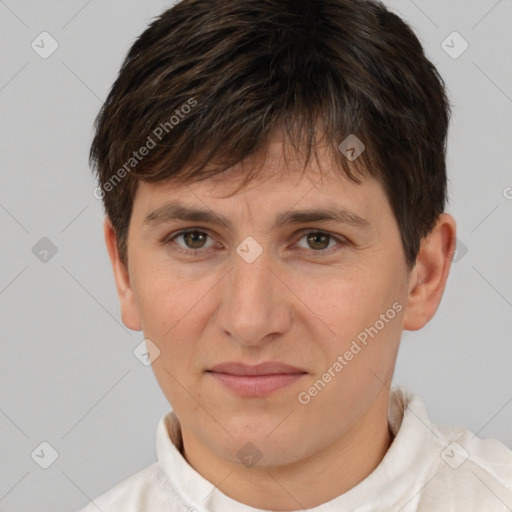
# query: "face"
[[326, 297]]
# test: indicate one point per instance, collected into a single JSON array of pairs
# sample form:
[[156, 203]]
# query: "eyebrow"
[[172, 212]]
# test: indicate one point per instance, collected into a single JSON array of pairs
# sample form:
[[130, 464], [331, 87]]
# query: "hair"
[[209, 83]]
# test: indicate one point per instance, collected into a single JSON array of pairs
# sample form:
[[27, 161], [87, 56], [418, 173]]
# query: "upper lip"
[[267, 368]]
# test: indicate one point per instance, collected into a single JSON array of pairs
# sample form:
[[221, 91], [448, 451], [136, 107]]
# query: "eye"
[[320, 241], [194, 241]]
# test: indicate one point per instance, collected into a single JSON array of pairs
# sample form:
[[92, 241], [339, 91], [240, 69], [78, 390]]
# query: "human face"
[[303, 301]]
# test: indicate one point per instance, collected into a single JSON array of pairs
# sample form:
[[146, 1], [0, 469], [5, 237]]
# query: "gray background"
[[69, 376]]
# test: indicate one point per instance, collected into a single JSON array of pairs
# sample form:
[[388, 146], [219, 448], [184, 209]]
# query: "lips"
[[256, 380], [268, 368]]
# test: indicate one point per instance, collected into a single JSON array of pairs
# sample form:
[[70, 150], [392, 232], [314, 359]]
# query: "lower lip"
[[256, 385]]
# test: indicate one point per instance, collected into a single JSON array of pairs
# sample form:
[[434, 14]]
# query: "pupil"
[[315, 236], [193, 238]]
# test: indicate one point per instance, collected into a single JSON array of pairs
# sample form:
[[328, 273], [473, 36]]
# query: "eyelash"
[[194, 252]]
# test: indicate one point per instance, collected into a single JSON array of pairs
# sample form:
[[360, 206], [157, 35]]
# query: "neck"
[[306, 483]]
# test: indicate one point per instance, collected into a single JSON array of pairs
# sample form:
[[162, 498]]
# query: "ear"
[[129, 311], [427, 280]]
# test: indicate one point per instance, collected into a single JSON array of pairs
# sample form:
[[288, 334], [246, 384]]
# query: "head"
[[269, 116]]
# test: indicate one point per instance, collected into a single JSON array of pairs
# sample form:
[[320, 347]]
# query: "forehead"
[[283, 192], [279, 167]]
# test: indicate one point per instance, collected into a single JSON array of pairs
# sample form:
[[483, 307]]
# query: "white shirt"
[[428, 468]]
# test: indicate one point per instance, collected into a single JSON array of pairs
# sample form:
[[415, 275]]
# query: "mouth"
[[256, 380]]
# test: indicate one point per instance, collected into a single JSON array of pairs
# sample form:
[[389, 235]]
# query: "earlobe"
[[129, 311], [428, 278]]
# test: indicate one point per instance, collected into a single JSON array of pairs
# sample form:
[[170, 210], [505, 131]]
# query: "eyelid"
[[186, 250], [340, 239]]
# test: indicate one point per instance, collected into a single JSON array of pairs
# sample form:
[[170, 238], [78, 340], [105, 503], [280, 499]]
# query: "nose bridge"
[[252, 304], [249, 279]]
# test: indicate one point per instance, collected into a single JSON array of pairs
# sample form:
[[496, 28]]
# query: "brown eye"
[[194, 239], [318, 241], [192, 242]]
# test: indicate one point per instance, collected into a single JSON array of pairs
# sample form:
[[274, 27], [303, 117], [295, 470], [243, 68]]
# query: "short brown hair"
[[209, 81]]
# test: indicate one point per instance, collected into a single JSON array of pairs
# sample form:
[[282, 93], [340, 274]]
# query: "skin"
[[300, 302]]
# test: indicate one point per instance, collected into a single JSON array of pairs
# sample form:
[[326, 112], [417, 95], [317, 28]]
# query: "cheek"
[[363, 314], [174, 311], [164, 296], [345, 301]]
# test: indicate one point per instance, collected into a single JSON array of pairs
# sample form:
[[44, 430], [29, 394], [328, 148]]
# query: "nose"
[[255, 304]]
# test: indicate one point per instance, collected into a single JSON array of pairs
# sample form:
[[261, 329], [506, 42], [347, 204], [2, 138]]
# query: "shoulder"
[[454, 467], [471, 472], [486, 459], [147, 490]]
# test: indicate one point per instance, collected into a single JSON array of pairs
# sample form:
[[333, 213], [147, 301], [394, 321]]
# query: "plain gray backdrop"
[[68, 373]]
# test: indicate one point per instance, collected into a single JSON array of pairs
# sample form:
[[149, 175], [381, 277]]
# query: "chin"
[[274, 449]]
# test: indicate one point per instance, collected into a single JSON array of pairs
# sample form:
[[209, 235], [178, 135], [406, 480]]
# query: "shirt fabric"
[[428, 468]]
